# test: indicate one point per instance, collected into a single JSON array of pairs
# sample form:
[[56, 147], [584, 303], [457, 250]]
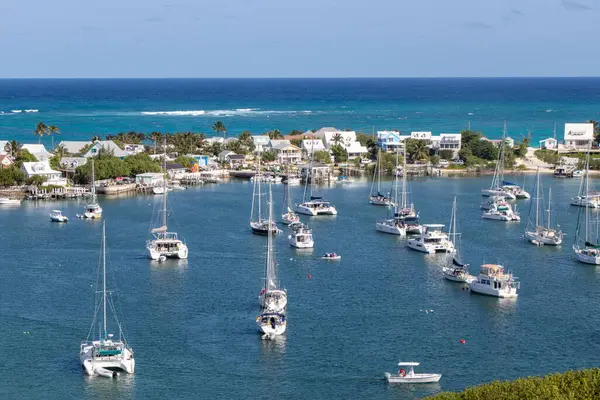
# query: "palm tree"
[[40, 130], [417, 150], [596, 130], [52, 129], [275, 134], [337, 138], [13, 148], [60, 150], [218, 127]]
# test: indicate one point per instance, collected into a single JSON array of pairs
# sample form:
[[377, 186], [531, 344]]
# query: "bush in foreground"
[[583, 384]]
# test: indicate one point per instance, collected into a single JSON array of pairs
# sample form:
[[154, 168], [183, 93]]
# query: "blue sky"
[[290, 38]]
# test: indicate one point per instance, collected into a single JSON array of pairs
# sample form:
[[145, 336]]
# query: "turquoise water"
[[191, 323], [83, 107]]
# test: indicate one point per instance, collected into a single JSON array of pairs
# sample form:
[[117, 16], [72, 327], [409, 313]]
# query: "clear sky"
[[298, 38]]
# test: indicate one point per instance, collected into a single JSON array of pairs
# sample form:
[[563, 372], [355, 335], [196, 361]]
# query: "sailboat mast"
[[396, 180], [537, 200], [258, 178], [549, 199], [454, 221], [587, 208], [379, 172], [270, 259], [164, 213], [93, 181], [104, 274], [404, 178], [502, 155]]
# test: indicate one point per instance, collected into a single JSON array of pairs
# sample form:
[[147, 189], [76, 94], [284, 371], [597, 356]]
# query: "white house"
[[277, 142], [578, 136], [287, 153], [74, 147], [447, 141], [549, 144], [223, 156], [355, 149], [346, 139], [42, 168], [149, 178], [310, 145], [134, 149], [38, 151], [260, 142], [107, 145], [71, 163]]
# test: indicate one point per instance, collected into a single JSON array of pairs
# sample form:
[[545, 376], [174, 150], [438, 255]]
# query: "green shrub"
[[547, 156]]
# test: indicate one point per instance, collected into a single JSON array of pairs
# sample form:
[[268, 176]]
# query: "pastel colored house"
[[260, 142], [5, 161], [287, 153]]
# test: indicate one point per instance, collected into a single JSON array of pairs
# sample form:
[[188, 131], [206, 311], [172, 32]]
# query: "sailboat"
[[585, 198], [496, 188], [586, 249], [106, 355], [93, 210], [273, 300], [537, 233], [165, 244], [454, 269], [379, 199], [288, 215], [392, 224], [257, 223], [316, 205], [404, 211]]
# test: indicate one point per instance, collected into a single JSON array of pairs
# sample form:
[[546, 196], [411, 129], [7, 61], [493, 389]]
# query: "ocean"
[[82, 108], [192, 324]]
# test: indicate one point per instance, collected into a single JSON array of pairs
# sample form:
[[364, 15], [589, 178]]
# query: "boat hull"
[[390, 228], [582, 201], [59, 219], [449, 274], [271, 325], [377, 201], [155, 254], [492, 192], [101, 366], [304, 244], [505, 292], [415, 378], [312, 211], [415, 244], [586, 257], [501, 217], [536, 238]]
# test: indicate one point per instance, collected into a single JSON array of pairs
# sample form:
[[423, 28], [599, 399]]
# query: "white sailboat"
[[273, 300], [586, 198], [392, 224], [258, 224], [165, 244], [538, 233], [586, 247], [288, 215], [106, 355], [406, 211], [496, 188], [93, 210], [315, 205], [379, 199], [454, 269]]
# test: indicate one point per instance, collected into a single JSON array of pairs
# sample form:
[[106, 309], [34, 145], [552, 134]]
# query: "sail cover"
[[507, 183], [160, 229], [457, 263], [594, 245]]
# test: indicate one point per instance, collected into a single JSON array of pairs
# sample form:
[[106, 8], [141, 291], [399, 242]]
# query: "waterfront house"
[[277, 142], [310, 145], [510, 142], [149, 179], [71, 163], [320, 171], [287, 153], [390, 141], [5, 161], [74, 147], [42, 168], [260, 142], [355, 150], [549, 144], [107, 145], [38, 151], [3, 144], [176, 171], [133, 149], [224, 154], [447, 141], [201, 160], [236, 160], [578, 136], [347, 139]]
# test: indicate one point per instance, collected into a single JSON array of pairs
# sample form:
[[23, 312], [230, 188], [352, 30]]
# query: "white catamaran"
[[93, 210], [538, 233], [165, 244], [379, 199], [587, 246], [316, 205], [272, 299], [106, 355], [496, 188], [454, 269]]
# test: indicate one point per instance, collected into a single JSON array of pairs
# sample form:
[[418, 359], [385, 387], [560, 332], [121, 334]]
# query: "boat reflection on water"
[[272, 348], [169, 263], [102, 388]]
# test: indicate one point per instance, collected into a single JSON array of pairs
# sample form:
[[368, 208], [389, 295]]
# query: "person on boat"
[[401, 372], [334, 255]]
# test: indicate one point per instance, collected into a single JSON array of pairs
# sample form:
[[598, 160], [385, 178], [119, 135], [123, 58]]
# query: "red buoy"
[[463, 341], [309, 276]]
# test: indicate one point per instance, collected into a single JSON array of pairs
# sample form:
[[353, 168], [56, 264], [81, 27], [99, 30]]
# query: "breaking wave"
[[18, 111], [223, 113]]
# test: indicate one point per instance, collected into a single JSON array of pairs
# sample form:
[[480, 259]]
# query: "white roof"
[[35, 148], [74, 147], [260, 139], [2, 145], [38, 168], [108, 145], [408, 364], [356, 147], [548, 140], [579, 131], [277, 143]]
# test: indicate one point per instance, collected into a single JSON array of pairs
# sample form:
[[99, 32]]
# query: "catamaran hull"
[[99, 366], [155, 255], [583, 202], [499, 217], [492, 192], [415, 244], [305, 210]]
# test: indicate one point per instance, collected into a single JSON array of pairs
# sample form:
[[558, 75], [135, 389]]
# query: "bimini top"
[[434, 226], [408, 364], [491, 269]]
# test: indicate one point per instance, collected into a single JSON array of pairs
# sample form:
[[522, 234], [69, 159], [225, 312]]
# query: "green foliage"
[[186, 142], [41, 129], [548, 156], [521, 149], [369, 143], [107, 166], [140, 163], [215, 148], [583, 384], [185, 161], [596, 130], [246, 143], [446, 154], [127, 137], [296, 142], [274, 134], [417, 150], [11, 176], [434, 160], [485, 149], [218, 127], [322, 156], [13, 148], [268, 156], [55, 162], [85, 149], [36, 180], [24, 156], [339, 153]]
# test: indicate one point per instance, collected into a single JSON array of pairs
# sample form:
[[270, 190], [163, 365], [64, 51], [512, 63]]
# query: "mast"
[[537, 199], [104, 274], [404, 178], [396, 181], [587, 208], [164, 213], [270, 270], [379, 172], [502, 156], [549, 199], [257, 184], [312, 154], [93, 182]]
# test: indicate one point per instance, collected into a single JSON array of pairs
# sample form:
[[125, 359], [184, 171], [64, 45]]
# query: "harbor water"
[[191, 323]]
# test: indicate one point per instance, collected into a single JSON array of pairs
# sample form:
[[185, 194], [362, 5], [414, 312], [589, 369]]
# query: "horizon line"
[[306, 78]]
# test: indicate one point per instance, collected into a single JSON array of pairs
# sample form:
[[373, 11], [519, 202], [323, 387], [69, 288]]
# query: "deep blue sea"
[[192, 323], [84, 107]]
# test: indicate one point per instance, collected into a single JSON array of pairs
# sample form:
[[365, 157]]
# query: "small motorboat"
[[9, 202], [105, 372], [331, 256], [57, 216], [409, 376]]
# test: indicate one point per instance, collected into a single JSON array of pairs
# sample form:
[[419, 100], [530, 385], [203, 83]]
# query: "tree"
[[268, 156], [339, 153], [434, 160], [446, 154], [185, 161], [24, 156], [52, 130], [337, 138], [417, 149], [485, 149], [596, 130], [40, 130], [155, 137], [274, 134], [36, 180], [296, 142], [11, 176], [13, 148], [141, 163], [322, 156], [218, 127], [246, 142]]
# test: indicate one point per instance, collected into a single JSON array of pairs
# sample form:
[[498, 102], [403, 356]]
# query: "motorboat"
[[176, 185], [107, 354], [164, 243], [537, 232], [57, 216], [432, 240], [516, 190], [455, 270], [393, 226], [93, 210], [493, 281], [409, 375], [577, 173], [501, 212], [493, 202], [301, 238], [376, 197], [5, 201], [331, 256], [292, 180], [271, 324]]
